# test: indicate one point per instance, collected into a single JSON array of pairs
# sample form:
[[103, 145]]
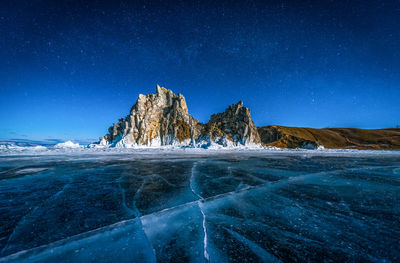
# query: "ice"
[[197, 205], [205, 242], [263, 255], [121, 242], [30, 170], [176, 234]]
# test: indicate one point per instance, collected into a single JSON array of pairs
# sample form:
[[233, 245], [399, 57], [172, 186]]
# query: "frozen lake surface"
[[199, 206]]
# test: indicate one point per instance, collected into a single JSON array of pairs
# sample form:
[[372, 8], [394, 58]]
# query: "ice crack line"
[[32, 213], [206, 255]]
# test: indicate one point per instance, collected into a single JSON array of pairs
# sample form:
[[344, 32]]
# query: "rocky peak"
[[162, 98], [155, 119], [235, 124]]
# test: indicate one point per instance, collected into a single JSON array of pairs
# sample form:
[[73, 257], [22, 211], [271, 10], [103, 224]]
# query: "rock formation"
[[232, 127], [156, 119], [163, 119]]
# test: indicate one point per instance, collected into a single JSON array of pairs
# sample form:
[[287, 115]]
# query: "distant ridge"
[[333, 138]]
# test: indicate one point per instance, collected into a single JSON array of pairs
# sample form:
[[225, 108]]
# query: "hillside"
[[347, 138]]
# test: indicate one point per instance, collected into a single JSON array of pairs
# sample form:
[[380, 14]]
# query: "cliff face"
[[163, 119], [156, 119], [234, 125], [334, 138]]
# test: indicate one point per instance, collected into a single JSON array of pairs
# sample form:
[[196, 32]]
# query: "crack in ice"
[[205, 241], [259, 251], [134, 210], [147, 237], [163, 179], [32, 212], [191, 181], [62, 242], [137, 212], [199, 203]]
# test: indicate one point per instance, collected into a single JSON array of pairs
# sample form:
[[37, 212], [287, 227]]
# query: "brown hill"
[[350, 138]]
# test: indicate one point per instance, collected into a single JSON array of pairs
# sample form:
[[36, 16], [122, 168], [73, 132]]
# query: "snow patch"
[[67, 144], [15, 148]]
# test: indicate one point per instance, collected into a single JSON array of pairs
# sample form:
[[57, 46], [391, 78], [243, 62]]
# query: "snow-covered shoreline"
[[70, 148]]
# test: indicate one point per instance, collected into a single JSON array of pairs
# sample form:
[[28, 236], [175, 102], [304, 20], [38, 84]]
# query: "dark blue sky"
[[71, 68]]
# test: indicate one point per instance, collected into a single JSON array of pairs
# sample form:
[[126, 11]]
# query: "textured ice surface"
[[199, 206]]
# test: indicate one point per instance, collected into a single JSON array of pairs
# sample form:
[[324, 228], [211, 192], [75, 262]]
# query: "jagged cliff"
[[163, 119], [232, 127], [155, 120]]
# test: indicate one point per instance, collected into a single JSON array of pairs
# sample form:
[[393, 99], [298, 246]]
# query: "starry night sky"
[[71, 68]]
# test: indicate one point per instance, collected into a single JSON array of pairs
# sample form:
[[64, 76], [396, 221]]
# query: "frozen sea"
[[193, 205]]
